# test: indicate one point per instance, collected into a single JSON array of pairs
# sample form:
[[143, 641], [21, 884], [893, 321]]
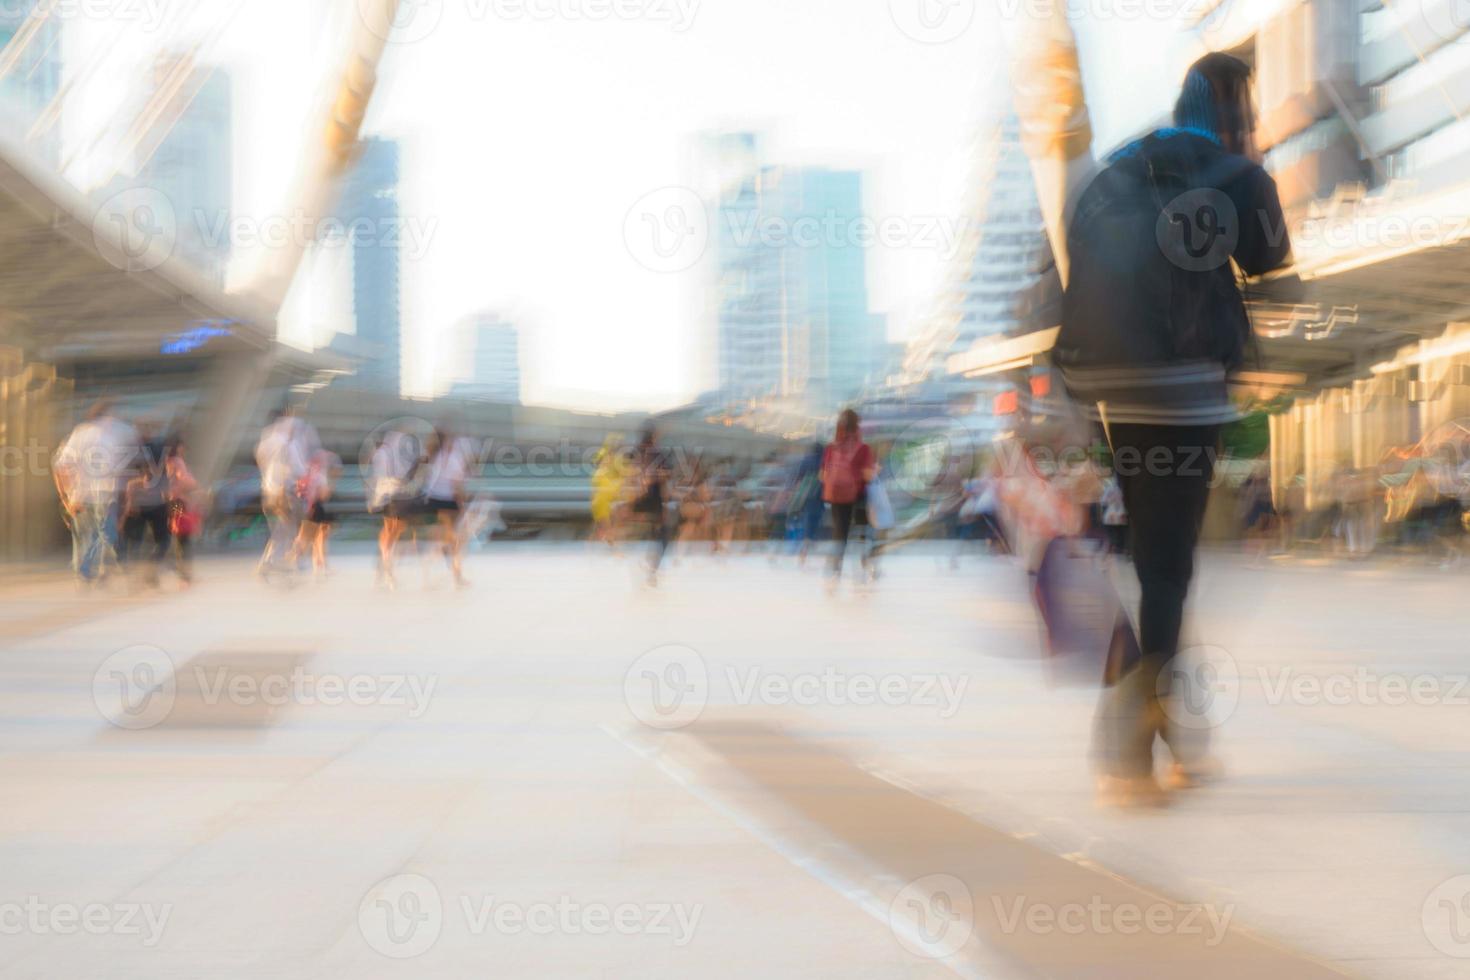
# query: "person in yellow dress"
[[609, 483]]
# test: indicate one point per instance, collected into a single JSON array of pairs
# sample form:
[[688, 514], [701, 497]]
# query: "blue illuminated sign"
[[196, 337]]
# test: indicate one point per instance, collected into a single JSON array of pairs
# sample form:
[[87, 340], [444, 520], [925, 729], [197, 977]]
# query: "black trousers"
[[155, 518], [844, 518], [1165, 473]]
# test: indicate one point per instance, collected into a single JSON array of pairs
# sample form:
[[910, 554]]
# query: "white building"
[[1002, 275], [486, 365], [790, 295]]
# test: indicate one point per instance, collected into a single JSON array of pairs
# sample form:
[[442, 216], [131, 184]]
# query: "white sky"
[[526, 142]]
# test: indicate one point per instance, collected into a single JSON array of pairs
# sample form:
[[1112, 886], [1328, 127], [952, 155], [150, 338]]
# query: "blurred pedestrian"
[[285, 447], [696, 510], [449, 469], [1168, 215], [609, 485], [186, 508], [395, 462], [1114, 516], [315, 490], [651, 492], [848, 466], [1258, 513], [807, 506], [147, 513], [90, 470]]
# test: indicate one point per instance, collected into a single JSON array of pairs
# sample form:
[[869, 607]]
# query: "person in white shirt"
[[90, 470], [444, 494], [286, 446], [315, 490], [394, 464]]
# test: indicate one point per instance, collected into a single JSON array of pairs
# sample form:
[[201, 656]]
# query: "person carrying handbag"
[[185, 515], [848, 466]]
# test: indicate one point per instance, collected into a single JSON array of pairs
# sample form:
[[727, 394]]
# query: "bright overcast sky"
[[527, 139]]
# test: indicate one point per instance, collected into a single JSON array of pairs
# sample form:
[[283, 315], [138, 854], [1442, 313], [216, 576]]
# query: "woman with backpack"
[[1171, 217], [848, 466]]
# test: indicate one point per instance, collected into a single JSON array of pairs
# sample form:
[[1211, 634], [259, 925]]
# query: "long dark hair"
[[1216, 98], [848, 425]]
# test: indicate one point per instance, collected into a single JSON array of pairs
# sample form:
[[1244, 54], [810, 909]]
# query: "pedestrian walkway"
[[561, 773]]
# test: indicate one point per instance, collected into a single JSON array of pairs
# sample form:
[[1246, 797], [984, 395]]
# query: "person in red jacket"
[[848, 465]]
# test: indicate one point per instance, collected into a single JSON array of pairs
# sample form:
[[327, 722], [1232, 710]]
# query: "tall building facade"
[[747, 287], [30, 74], [487, 359], [1002, 280], [791, 300], [185, 150], [369, 206]]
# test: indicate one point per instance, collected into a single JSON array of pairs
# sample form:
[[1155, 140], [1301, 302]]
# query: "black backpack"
[[1150, 246]]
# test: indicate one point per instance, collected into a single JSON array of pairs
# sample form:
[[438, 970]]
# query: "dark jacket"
[[1152, 320]]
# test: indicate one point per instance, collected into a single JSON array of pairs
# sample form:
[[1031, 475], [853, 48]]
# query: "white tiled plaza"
[[560, 773]]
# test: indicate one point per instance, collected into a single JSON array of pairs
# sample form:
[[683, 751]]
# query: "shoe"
[[1180, 776], [1132, 792]]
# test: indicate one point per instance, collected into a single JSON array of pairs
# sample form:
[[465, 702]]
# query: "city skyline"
[[501, 229]]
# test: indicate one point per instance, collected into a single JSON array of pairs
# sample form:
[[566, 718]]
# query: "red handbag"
[[183, 521]]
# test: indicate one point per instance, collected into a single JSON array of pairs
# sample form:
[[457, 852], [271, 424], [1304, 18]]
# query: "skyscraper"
[[1003, 278], [30, 73], [790, 297], [185, 149], [369, 210], [487, 359], [747, 288], [830, 335]]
